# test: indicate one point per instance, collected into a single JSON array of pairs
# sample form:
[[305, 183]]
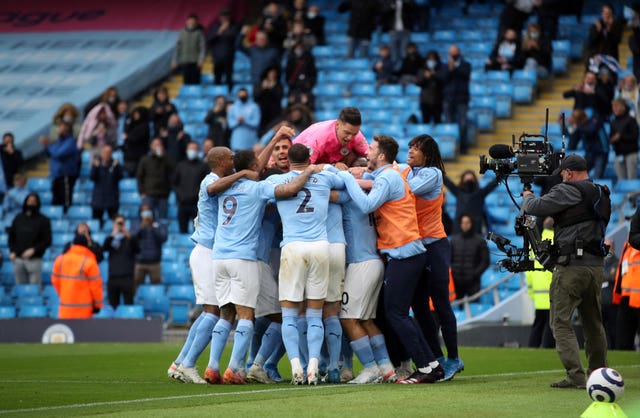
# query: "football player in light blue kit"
[[304, 263], [183, 368], [240, 213]]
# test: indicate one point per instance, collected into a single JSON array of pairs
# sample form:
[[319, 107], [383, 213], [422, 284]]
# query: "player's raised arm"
[[293, 187], [285, 132], [224, 183]]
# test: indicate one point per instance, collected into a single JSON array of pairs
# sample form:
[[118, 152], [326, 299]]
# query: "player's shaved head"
[[216, 155]]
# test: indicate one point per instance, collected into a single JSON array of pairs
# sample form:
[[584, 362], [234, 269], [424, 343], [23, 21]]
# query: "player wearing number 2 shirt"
[[304, 263]]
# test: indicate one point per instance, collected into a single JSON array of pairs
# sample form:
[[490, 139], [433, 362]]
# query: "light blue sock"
[[362, 348], [276, 355], [271, 338], [290, 332], [379, 348], [301, 323], [346, 354], [189, 340], [315, 332], [201, 340], [333, 339], [259, 327], [241, 340], [218, 341]]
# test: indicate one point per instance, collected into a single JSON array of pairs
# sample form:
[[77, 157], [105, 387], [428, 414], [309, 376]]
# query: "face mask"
[[590, 86], [67, 119], [431, 64], [111, 100], [469, 185], [146, 214], [534, 35], [158, 151], [298, 52], [192, 154], [31, 209], [311, 15], [507, 50], [243, 99]]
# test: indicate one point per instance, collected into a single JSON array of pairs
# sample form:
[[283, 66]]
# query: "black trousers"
[[191, 73], [62, 191], [541, 334], [223, 68], [120, 286], [186, 213], [627, 325]]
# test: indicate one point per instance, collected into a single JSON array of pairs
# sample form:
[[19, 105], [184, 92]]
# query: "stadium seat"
[[497, 77], [212, 91], [25, 290], [444, 36], [174, 273], [106, 312], [60, 240], [478, 308], [179, 315], [7, 312], [330, 90], [46, 197], [357, 64], [478, 89], [59, 225], [627, 185], [341, 77], [52, 307], [39, 184], [129, 312], [181, 294], [415, 129], [29, 300], [49, 292], [32, 311], [128, 185], [147, 291], [77, 213], [412, 90], [392, 90], [363, 89], [52, 212], [187, 90], [156, 306]]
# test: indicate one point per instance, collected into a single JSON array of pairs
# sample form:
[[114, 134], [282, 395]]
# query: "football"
[[605, 385]]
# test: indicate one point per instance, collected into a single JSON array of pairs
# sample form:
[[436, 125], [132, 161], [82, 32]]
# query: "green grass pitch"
[[130, 380]]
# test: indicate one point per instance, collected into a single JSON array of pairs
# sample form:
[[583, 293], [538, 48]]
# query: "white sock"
[[425, 370]]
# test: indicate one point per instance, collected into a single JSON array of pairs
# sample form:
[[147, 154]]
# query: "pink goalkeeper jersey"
[[323, 143]]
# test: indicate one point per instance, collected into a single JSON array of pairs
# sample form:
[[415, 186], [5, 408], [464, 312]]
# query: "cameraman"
[[577, 277]]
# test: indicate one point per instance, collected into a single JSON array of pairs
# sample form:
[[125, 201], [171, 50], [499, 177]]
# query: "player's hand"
[[43, 140], [365, 184], [284, 132], [12, 257], [316, 168], [250, 174], [357, 172]]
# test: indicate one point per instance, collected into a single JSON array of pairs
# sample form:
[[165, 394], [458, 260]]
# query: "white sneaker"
[[258, 375], [346, 375], [367, 376], [388, 374], [312, 376], [174, 373], [191, 375], [297, 377]]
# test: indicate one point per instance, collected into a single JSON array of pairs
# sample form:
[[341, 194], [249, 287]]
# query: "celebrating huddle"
[[347, 234]]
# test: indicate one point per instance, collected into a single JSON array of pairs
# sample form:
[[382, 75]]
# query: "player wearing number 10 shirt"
[[304, 262]]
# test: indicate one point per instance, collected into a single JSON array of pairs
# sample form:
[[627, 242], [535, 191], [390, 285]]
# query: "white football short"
[[268, 303], [362, 284], [337, 266], [204, 285], [304, 271], [237, 282]]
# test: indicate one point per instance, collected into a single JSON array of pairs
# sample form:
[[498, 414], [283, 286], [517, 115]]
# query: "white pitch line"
[[215, 394]]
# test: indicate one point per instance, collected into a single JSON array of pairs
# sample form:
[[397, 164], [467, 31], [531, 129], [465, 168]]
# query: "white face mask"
[[431, 64], [311, 15], [158, 151], [192, 154]]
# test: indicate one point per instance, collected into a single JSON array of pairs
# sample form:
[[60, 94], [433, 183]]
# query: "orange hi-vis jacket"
[[396, 221], [429, 213], [76, 278], [628, 277]]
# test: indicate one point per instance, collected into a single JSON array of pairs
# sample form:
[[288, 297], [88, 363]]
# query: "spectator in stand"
[[14, 198], [430, 82], [150, 235], [300, 74], [299, 117], [470, 199], [190, 50], [175, 139], [217, 120], [455, 76], [154, 179], [515, 14], [268, 97], [12, 160], [186, 185], [106, 173], [274, 25], [206, 147], [398, 17], [298, 9], [634, 39], [609, 310], [161, 109], [539, 282], [66, 113], [299, 34], [121, 118], [383, 66], [315, 22], [624, 138], [244, 119], [261, 55], [136, 139], [548, 16], [591, 131], [536, 51], [506, 54], [222, 44], [469, 258], [628, 91], [589, 95], [29, 237], [605, 34], [109, 96], [84, 230], [412, 64], [362, 23], [121, 248], [99, 128], [63, 166], [76, 278]]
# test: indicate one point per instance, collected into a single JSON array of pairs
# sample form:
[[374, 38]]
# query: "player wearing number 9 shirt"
[[304, 263]]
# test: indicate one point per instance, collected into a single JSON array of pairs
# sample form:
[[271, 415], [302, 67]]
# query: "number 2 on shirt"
[[304, 208]]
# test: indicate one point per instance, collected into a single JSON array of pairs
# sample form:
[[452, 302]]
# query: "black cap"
[[571, 162]]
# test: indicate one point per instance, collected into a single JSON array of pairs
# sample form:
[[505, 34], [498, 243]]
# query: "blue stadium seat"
[[46, 197], [29, 300], [49, 292], [147, 291], [77, 213], [484, 118], [212, 91], [60, 240], [198, 104], [32, 311], [59, 225], [451, 129], [52, 212], [444, 35], [179, 314], [323, 51], [7, 312], [129, 312], [25, 290], [183, 241], [156, 306], [363, 89], [357, 64], [390, 90], [412, 90], [478, 89], [128, 185], [175, 273], [197, 130], [39, 184], [460, 315], [106, 312], [330, 90], [627, 185], [496, 76], [181, 294], [370, 103], [190, 91], [478, 308], [415, 129], [341, 77]]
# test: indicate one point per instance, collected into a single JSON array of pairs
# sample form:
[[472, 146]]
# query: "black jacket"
[[30, 230], [154, 176], [456, 82], [469, 257], [137, 143], [627, 127], [106, 194], [470, 202], [186, 180], [123, 258]]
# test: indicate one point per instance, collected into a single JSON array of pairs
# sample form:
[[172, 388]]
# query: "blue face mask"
[[431, 64], [146, 214]]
